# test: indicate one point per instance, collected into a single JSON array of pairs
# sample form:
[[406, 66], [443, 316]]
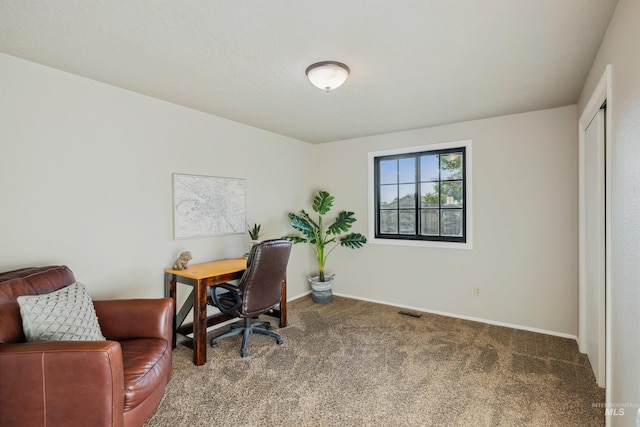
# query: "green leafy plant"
[[324, 239], [254, 232]]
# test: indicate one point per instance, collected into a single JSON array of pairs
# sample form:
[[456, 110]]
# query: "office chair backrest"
[[262, 281]]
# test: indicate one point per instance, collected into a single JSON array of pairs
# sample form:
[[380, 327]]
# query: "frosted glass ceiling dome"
[[327, 75]]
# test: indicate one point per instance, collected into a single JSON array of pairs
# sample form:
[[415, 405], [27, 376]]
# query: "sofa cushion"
[[145, 361], [63, 315]]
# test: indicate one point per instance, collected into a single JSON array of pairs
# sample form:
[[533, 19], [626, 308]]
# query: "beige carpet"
[[355, 363]]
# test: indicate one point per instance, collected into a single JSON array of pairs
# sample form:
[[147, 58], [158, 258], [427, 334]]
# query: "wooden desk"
[[199, 276]]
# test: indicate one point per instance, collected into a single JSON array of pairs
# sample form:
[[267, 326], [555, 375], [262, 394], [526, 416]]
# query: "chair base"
[[246, 329]]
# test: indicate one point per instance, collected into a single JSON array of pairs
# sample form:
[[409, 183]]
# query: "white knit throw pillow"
[[64, 315]]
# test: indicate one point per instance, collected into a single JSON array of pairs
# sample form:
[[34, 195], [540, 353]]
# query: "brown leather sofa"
[[117, 382]]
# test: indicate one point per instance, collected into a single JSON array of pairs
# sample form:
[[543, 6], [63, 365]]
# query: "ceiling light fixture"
[[327, 75]]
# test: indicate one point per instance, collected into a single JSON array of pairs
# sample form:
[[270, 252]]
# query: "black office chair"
[[257, 291]]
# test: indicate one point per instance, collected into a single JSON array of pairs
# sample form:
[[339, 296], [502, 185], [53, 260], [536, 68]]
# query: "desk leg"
[[200, 324], [283, 303], [170, 291]]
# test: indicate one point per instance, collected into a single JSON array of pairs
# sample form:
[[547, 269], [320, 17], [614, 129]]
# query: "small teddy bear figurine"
[[182, 261]]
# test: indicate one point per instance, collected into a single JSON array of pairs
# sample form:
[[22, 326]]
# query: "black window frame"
[[416, 236]]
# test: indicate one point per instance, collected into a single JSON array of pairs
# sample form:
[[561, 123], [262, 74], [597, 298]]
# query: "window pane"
[[408, 222], [451, 196], [429, 222], [452, 222], [388, 197], [407, 196], [407, 170], [451, 166], [429, 197], [429, 168], [389, 222], [388, 171]]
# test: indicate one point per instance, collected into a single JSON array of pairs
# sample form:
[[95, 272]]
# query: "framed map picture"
[[208, 206]]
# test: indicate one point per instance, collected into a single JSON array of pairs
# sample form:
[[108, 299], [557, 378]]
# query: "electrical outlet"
[[477, 291]]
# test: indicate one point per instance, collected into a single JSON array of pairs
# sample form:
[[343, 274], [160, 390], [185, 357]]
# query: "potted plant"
[[324, 239], [254, 236], [254, 232]]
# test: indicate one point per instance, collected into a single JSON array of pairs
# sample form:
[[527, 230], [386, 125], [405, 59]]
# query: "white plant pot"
[[321, 292], [252, 243]]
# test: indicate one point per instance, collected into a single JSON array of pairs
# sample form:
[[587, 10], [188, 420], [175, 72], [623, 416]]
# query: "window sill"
[[420, 243]]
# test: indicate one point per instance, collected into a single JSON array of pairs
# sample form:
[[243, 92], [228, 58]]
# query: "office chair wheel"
[[279, 341], [244, 353]]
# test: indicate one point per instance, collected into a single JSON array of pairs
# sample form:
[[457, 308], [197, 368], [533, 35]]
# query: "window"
[[421, 194]]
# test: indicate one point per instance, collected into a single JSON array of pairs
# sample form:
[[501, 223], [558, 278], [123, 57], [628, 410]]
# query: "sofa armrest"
[[61, 383], [136, 318]]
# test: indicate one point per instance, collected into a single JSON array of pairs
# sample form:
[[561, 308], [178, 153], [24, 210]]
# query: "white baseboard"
[[460, 316], [298, 296]]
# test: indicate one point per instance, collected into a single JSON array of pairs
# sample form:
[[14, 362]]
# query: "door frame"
[[600, 96]]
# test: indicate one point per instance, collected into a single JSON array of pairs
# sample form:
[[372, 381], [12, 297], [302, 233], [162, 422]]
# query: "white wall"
[[86, 180], [524, 255], [620, 49]]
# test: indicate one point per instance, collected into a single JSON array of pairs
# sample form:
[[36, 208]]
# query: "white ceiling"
[[414, 63]]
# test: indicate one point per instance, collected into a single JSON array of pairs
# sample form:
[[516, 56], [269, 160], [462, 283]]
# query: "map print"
[[207, 205]]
